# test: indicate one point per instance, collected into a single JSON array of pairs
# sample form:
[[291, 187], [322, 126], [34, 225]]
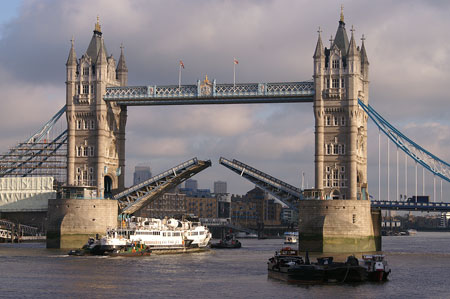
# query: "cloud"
[[274, 42]]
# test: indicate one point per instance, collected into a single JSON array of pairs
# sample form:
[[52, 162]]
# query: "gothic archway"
[[335, 194], [108, 186]]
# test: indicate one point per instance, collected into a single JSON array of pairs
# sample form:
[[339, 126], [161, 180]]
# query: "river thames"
[[420, 269]]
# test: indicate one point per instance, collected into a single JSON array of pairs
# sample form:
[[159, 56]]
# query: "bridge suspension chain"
[[429, 161], [37, 155]]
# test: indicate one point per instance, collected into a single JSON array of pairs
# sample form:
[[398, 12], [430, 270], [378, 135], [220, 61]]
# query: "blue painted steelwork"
[[285, 192], [211, 93], [42, 133], [137, 196], [411, 206], [412, 149]]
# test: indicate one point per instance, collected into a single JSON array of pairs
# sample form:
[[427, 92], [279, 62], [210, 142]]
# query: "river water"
[[420, 269]]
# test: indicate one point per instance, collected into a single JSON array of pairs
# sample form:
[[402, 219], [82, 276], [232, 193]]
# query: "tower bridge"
[[97, 97]]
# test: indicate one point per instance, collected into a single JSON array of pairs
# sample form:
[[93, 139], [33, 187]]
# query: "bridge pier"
[[339, 226], [72, 221]]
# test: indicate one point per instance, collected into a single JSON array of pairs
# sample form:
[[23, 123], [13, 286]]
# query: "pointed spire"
[[364, 59], [341, 38], [319, 47], [98, 28], [72, 59], [342, 13], [101, 56], [352, 51], [122, 66]]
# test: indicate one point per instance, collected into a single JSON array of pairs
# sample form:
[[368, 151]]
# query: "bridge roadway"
[[411, 206], [207, 92]]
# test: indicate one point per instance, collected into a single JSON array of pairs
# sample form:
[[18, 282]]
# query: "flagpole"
[[234, 72], [179, 77]]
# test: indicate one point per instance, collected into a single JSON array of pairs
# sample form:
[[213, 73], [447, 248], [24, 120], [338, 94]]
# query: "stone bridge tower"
[[342, 221], [341, 78], [96, 129]]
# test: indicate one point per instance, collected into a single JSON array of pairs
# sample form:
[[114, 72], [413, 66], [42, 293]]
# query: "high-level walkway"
[[211, 93]]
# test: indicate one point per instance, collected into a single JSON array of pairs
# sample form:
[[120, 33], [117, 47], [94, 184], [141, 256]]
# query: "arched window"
[[79, 151], [335, 121]]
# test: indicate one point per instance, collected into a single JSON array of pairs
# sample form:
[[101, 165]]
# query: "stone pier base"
[[72, 221], [346, 226]]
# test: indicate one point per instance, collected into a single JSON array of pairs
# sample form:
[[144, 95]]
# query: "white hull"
[[158, 234]]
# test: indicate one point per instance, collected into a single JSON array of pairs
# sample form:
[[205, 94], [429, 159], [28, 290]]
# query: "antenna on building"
[[303, 180]]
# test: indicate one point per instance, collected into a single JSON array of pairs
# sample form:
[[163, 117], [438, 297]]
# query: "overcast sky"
[[407, 44]]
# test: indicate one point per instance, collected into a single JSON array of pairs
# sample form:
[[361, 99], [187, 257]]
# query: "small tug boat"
[[228, 242], [377, 267], [289, 266], [141, 236]]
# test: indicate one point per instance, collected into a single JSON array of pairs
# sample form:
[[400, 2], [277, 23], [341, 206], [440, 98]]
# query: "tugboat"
[[377, 267], [289, 266], [228, 242]]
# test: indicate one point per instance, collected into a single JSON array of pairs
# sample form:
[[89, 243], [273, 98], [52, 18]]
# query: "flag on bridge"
[[179, 73], [235, 61]]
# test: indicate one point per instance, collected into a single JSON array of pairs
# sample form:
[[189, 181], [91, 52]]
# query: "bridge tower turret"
[[96, 129]]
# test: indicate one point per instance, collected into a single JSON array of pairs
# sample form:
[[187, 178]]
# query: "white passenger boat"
[[153, 234]]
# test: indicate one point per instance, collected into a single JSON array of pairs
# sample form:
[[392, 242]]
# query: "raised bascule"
[[335, 216]]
